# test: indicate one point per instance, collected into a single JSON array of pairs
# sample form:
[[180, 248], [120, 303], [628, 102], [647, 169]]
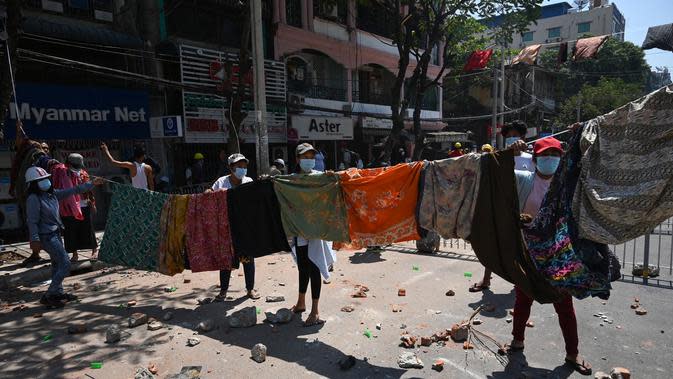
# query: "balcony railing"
[[317, 91]]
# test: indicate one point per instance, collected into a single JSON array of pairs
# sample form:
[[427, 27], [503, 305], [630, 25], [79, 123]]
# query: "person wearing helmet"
[[457, 151], [142, 175], [486, 148], [194, 174], [45, 226]]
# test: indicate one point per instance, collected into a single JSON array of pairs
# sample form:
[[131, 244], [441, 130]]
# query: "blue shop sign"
[[67, 112]]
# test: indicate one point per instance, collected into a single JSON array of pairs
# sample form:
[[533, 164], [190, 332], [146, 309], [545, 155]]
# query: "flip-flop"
[[583, 368], [317, 321], [476, 287]]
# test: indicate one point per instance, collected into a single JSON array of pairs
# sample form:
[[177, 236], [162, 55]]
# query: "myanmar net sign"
[[67, 112]]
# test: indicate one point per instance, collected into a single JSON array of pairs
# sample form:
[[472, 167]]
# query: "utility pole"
[[501, 118], [259, 90], [494, 119]]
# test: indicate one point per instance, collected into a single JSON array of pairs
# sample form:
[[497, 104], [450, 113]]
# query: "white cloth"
[[534, 200], [140, 180], [320, 253], [524, 162], [225, 182]]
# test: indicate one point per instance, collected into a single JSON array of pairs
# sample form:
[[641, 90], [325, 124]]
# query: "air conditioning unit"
[[10, 217], [295, 101], [547, 40]]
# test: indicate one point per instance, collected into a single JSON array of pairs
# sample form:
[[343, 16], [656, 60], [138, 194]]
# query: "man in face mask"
[[238, 166], [516, 131]]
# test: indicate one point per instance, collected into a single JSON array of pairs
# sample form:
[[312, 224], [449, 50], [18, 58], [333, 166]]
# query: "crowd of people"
[[60, 204]]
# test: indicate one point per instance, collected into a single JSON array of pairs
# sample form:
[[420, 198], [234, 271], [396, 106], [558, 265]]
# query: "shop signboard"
[[166, 127], [376, 123], [323, 128], [72, 112], [206, 114]]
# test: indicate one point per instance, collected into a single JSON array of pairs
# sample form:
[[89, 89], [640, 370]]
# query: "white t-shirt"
[[534, 200], [524, 162], [225, 183]]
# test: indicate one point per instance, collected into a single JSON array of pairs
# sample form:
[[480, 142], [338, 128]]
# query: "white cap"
[[36, 173]]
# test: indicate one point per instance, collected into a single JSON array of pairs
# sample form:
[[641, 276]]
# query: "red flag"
[[478, 60]]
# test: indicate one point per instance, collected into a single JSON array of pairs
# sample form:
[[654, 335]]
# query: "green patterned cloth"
[[132, 231], [312, 206]]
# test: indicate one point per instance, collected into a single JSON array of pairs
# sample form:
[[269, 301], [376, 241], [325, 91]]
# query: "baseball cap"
[[280, 162], [305, 148], [237, 157], [76, 161], [545, 144]]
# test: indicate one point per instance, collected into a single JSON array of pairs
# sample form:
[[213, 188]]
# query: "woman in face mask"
[[45, 226], [309, 253], [238, 166]]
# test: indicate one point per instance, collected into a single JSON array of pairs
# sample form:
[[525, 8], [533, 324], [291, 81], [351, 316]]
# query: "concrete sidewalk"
[[640, 343]]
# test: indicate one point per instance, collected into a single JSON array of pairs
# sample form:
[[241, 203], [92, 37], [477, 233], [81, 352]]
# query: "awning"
[[79, 32]]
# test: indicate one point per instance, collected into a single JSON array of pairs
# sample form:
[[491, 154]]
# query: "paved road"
[[642, 344]]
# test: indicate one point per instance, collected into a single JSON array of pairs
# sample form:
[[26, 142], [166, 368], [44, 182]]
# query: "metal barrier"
[[648, 259], [189, 190]]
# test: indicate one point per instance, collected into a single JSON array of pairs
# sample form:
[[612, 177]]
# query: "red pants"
[[566, 317]]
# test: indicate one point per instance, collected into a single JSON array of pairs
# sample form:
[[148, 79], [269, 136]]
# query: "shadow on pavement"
[[439, 254], [370, 256], [501, 301], [40, 347], [517, 368]]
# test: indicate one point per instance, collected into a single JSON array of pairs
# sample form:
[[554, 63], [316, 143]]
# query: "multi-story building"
[[340, 58]]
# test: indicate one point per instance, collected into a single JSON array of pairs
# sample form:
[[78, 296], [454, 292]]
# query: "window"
[[584, 27], [554, 32], [527, 36]]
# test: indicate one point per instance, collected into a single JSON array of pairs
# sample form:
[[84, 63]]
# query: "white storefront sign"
[[325, 128], [376, 123]]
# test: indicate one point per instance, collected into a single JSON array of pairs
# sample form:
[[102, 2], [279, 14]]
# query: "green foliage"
[[595, 100]]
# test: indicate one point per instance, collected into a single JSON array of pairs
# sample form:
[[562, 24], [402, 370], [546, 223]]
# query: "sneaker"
[[67, 297], [52, 301]]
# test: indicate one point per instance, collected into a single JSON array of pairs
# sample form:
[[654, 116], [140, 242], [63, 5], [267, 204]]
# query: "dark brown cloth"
[[496, 235], [562, 53]]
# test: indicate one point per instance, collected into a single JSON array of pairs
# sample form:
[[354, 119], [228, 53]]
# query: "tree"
[[595, 100], [420, 26], [615, 59]]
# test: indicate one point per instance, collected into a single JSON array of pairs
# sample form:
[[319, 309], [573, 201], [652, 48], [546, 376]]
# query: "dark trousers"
[[308, 271], [566, 317], [248, 271]]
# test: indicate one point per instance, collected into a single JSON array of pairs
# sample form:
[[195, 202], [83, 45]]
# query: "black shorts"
[[79, 235]]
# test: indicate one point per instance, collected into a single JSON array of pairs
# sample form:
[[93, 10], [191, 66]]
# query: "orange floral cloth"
[[381, 203]]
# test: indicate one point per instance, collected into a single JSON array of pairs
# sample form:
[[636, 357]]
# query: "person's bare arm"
[[126, 165], [150, 177]]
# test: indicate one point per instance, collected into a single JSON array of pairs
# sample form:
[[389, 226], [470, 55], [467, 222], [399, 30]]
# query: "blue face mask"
[[510, 140], [307, 164], [240, 172], [44, 184], [547, 165]]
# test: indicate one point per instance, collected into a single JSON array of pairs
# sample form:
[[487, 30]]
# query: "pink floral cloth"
[[208, 233], [63, 178]]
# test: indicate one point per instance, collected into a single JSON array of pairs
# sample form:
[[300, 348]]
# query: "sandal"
[[478, 287], [316, 321], [509, 349], [583, 368], [254, 295]]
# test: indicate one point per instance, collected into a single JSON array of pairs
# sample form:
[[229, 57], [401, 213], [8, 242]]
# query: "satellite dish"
[[580, 4]]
